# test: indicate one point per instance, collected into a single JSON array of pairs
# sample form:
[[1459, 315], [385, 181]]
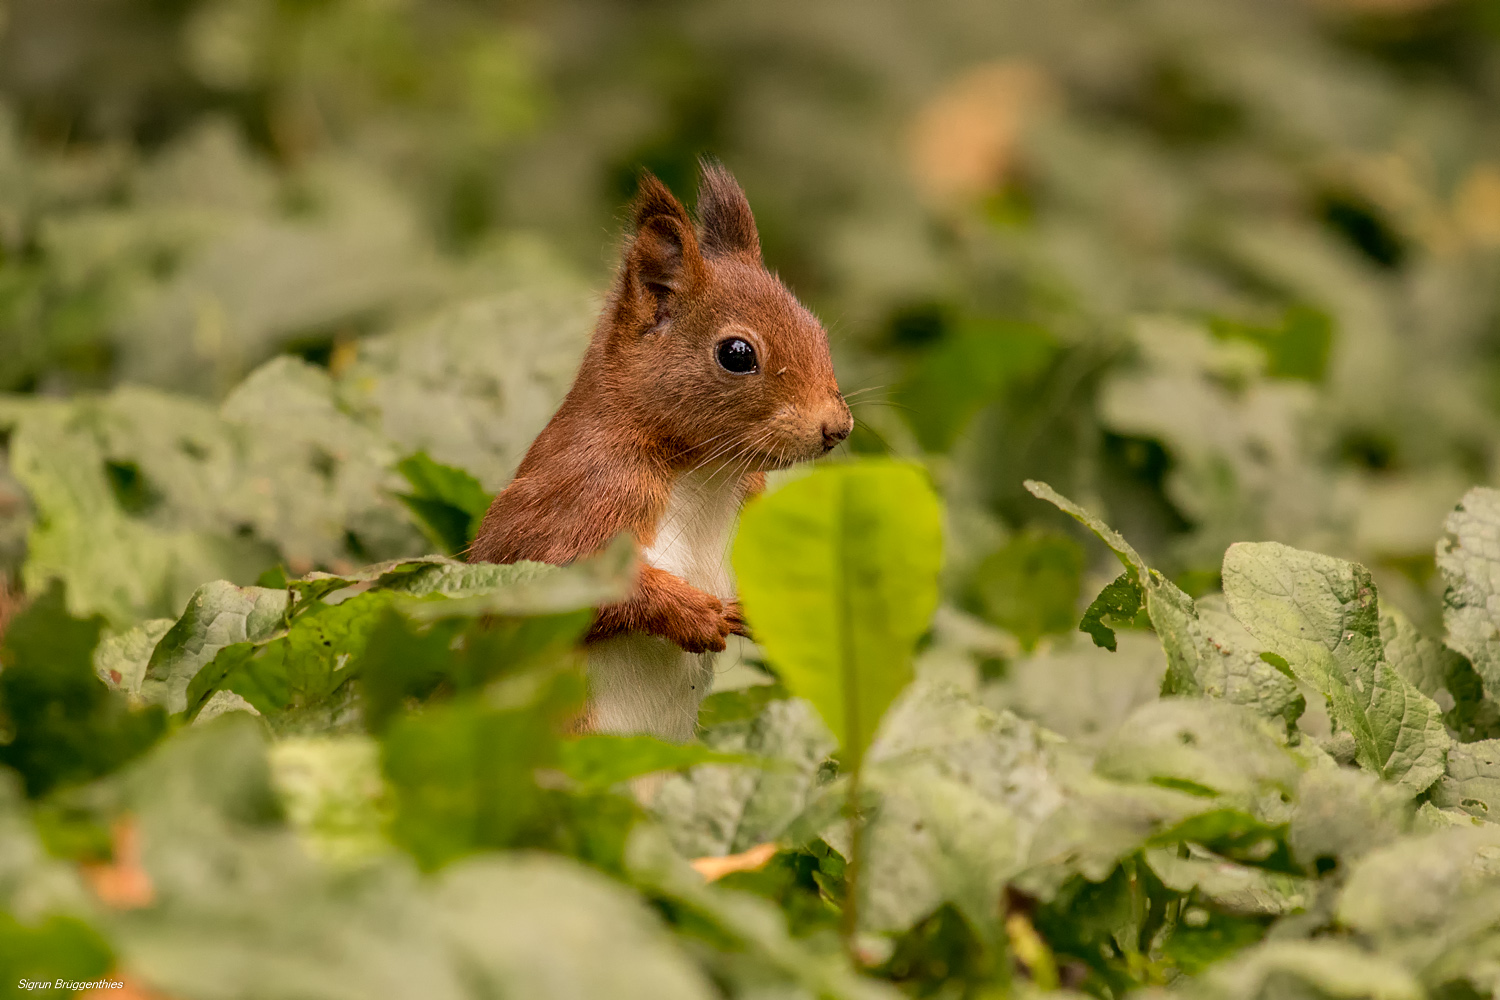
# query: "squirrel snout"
[[835, 430]]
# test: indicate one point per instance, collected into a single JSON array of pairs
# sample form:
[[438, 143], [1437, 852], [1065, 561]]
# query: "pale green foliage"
[[1468, 556], [1321, 615]]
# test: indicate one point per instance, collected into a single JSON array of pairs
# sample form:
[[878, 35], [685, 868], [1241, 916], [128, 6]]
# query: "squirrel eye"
[[737, 357]]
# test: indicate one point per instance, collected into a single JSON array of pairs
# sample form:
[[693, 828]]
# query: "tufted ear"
[[663, 260], [726, 225]]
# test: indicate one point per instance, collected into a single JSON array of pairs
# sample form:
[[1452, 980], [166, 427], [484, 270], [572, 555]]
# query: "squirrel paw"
[[701, 625], [736, 618]]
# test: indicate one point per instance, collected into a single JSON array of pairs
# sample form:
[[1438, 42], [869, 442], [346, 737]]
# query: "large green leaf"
[[838, 575], [218, 615], [1321, 615], [1469, 556], [298, 670], [724, 809], [1201, 658]]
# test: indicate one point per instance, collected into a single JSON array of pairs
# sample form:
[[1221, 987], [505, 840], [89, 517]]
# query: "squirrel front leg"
[[667, 605]]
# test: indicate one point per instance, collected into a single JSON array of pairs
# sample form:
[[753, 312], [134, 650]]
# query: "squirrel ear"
[[724, 214], [663, 257]]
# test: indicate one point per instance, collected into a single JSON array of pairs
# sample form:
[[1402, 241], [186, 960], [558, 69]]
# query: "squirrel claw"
[[735, 616]]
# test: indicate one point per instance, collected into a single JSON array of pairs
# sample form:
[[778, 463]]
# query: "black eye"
[[737, 356]]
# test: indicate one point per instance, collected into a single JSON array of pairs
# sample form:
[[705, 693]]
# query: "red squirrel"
[[703, 373]]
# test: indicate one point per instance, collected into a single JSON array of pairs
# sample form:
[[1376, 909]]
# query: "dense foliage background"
[[287, 287]]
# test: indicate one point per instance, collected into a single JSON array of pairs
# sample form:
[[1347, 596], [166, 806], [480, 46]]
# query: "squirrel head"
[[715, 361]]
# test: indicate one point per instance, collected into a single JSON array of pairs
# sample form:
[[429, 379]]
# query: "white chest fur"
[[643, 683]]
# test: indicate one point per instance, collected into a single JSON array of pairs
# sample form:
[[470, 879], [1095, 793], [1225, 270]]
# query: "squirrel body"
[[646, 683], [703, 373]]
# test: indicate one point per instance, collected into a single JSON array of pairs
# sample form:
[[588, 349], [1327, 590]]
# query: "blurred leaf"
[[838, 574], [1030, 586], [510, 917], [970, 368], [1322, 615], [1342, 813], [57, 947], [1472, 782], [463, 774], [598, 761], [447, 502], [61, 724], [1410, 888], [714, 809], [724, 707], [403, 664], [961, 792], [1080, 691], [1334, 969], [1200, 747], [1231, 888], [1296, 347]]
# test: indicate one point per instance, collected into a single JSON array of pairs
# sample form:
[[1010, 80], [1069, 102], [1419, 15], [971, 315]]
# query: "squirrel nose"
[[833, 433]]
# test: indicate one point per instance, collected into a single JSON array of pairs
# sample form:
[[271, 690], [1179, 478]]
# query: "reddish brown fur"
[[651, 402]]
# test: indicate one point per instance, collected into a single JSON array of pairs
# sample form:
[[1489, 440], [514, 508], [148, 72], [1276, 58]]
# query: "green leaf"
[[1442, 675], [1342, 813], [1469, 557], [716, 810], [299, 670], [524, 588], [463, 774], [1029, 587], [1296, 347], [1231, 888], [218, 615], [961, 790], [1473, 780], [333, 794], [62, 724], [1410, 887], [1321, 615], [1120, 602], [971, 368], [1201, 658], [1202, 747], [55, 947], [838, 575], [510, 917], [1333, 969], [599, 761], [724, 707], [121, 660], [1210, 654], [1128, 556], [447, 502], [404, 661]]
